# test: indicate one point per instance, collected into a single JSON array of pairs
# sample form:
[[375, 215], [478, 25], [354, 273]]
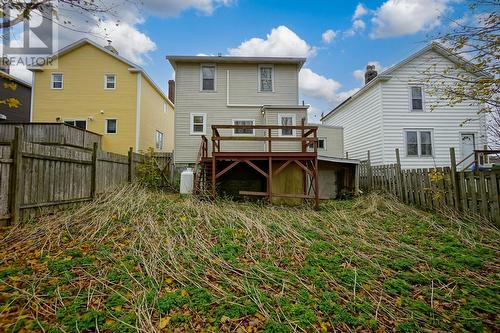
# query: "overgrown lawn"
[[145, 261]]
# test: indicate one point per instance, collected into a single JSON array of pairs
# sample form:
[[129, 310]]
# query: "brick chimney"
[[171, 90], [370, 73]]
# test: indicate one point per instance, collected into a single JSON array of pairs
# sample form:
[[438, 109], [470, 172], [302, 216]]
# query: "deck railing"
[[305, 134]]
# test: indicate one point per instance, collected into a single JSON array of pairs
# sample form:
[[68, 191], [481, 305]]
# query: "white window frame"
[[106, 81], [324, 145], [156, 140], [106, 126], [191, 123], [410, 95], [419, 143], [272, 78], [283, 115], [75, 120], [52, 81], [215, 77], [243, 134]]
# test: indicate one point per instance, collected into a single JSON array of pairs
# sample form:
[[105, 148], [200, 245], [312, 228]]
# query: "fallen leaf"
[[164, 322]]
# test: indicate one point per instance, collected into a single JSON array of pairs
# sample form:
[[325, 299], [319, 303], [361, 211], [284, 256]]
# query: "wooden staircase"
[[202, 169]]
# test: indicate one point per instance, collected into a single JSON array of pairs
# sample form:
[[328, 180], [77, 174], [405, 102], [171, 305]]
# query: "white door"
[[467, 146]]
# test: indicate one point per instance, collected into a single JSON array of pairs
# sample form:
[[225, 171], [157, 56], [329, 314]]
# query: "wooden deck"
[[209, 169]]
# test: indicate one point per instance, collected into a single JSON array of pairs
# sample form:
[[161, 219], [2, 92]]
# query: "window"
[[286, 120], [417, 100], [208, 77], [57, 81], [77, 123], [109, 81], [111, 127], [243, 131], [198, 123], [266, 77], [419, 143], [321, 144], [159, 140]]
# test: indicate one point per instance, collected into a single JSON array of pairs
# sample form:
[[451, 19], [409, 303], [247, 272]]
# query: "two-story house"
[[240, 117], [395, 109], [94, 88]]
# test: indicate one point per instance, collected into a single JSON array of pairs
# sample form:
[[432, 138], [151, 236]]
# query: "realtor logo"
[[29, 41]]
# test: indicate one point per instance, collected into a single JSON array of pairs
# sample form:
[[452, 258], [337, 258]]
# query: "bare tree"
[[475, 38]]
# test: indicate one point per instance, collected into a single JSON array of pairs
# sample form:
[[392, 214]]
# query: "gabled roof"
[[386, 75], [133, 67], [15, 79], [174, 59]]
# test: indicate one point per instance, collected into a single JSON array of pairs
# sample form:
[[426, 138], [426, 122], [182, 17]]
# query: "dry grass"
[[138, 260]]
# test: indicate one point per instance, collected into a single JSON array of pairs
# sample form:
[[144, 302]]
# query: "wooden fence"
[[33, 176], [50, 134], [431, 188]]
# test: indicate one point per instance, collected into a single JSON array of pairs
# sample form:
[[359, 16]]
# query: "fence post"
[[369, 172], [399, 178], [130, 164], [16, 176], [454, 183], [93, 184]]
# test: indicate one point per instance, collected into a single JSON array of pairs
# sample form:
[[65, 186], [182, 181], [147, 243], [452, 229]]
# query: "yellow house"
[[94, 88]]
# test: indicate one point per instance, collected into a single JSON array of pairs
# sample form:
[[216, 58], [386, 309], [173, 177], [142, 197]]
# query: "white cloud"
[[314, 114], [358, 25], [405, 17], [360, 11], [328, 36], [281, 42], [318, 86], [175, 7], [359, 74], [128, 40]]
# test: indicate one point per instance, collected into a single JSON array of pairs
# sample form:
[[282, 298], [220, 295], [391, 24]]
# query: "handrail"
[[306, 138], [466, 158], [202, 153]]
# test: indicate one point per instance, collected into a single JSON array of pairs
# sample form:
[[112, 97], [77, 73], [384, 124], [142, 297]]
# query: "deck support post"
[[270, 181], [316, 183]]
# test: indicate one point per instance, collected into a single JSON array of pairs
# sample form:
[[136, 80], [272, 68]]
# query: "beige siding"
[[445, 122], [334, 141], [243, 96], [362, 123]]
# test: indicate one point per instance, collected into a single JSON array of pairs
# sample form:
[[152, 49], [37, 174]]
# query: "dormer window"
[[266, 78], [207, 77]]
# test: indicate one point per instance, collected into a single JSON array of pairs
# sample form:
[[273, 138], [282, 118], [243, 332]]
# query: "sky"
[[338, 37]]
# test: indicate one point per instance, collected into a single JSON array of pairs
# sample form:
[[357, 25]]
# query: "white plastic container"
[[187, 179]]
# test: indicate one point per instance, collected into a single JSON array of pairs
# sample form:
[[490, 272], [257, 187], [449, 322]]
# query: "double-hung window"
[[198, 123], [159, 140], [243, 131], [57, 81], [321, 144], [110, 81], [417, 98], [286, 120], [111, 126], [207, 77], [77, 123], [419, 143], [266, 78]]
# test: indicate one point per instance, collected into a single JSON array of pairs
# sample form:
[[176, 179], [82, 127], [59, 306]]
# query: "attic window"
[[417, 98]]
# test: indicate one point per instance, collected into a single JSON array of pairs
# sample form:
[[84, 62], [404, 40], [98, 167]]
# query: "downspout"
[[138, 112]]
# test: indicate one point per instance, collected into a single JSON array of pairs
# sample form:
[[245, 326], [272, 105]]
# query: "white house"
[[393, 110]]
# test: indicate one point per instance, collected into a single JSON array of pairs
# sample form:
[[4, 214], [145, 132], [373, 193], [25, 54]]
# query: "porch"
[[288, 174]]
